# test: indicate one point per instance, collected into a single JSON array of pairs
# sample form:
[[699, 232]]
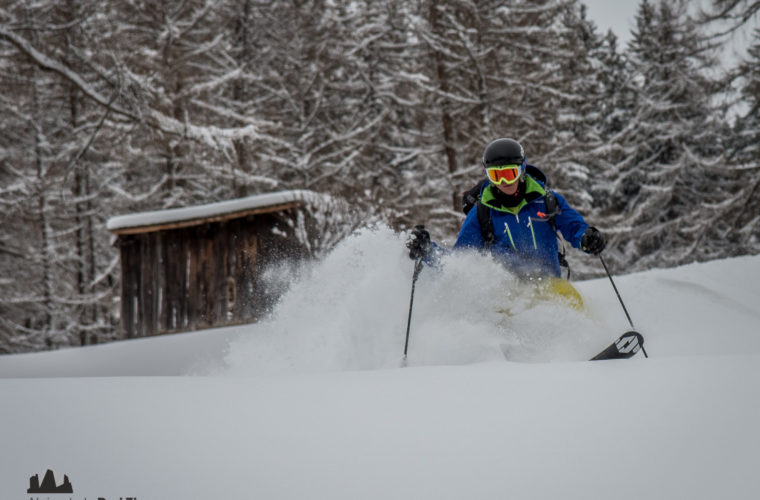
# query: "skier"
[[516, 218]]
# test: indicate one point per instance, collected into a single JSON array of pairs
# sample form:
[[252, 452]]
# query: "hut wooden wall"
[[199, 276]]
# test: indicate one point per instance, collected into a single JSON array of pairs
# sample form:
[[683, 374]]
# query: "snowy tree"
[[587, 92], [489, 72], [29, 208], [578, 138], [449, 106], [742, 215], [381, 47], [736, 12], [171, 62], [298, 77], [615, 105], [665, 169], [62, 290], [129, 105], [525, 73]]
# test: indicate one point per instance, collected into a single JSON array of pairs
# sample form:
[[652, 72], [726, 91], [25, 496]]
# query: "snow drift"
[[310, 403]]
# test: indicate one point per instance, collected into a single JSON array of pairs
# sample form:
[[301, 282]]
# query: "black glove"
[[419, 243], [592, 241]]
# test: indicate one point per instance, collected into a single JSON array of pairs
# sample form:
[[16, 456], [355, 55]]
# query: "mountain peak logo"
[[48, 484]]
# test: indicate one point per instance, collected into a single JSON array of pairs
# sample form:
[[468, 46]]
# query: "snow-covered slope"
[[312, 404]]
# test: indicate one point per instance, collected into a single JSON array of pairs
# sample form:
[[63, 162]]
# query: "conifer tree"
[[743, 213], [578, 127], [736, 12], [668, 150], [588, 95], [615, 108]]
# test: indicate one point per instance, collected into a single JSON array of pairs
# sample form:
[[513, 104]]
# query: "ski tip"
[[626, 346]]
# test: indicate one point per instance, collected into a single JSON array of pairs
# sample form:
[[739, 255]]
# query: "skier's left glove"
[[419, 243], [592, 241]]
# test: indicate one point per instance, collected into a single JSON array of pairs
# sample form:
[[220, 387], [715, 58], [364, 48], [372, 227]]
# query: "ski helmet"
[[504, 152]]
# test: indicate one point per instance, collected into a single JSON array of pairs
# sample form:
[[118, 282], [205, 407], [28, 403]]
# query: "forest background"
[[128, 105]]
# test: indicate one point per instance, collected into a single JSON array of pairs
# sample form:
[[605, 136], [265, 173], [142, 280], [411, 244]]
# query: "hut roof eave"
[[145, 222]]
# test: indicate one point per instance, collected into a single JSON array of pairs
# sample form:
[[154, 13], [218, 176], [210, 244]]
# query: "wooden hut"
[[199, 267]]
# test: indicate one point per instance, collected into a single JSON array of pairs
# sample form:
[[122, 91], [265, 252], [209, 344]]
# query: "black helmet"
[[503, 152]]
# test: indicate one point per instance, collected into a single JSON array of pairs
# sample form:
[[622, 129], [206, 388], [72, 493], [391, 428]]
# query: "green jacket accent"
[[531, 186]]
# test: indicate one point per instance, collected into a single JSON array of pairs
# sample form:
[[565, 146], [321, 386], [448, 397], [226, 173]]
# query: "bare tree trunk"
[[447, 122], [242, 148], [44, 223]]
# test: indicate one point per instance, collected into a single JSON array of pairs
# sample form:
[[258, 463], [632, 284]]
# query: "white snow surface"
[[313, 403]]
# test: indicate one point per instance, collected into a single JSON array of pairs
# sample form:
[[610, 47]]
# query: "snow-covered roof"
[[199, 214]]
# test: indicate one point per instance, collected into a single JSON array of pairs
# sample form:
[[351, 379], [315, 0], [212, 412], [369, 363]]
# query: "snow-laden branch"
[[46, 62], [213, 136]]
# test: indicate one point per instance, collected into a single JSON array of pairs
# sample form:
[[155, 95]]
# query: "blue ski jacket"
[[524, 239]]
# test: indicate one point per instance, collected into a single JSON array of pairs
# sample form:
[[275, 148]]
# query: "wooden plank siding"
[[188, 277]]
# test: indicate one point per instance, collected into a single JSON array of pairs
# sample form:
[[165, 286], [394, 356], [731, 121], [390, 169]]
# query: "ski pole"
[[604, 264], [417, 271]]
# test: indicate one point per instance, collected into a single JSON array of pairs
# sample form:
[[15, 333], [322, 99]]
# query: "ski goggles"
[[507, 174]]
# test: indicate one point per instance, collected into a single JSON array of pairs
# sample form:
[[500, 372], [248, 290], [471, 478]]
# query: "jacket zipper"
[[509, 233]]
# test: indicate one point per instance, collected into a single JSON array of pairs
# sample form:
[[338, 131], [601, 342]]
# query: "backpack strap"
[[486, 224], [537, 174], [470, 199]]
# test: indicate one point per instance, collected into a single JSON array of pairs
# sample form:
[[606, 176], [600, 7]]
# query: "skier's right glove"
[[593, 241], [419, 244]]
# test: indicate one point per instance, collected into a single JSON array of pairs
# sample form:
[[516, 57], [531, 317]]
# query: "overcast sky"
[[617, 15], [620, 16]]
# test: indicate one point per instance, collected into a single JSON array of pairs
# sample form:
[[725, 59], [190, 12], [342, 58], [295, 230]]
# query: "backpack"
[[471, 198]]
